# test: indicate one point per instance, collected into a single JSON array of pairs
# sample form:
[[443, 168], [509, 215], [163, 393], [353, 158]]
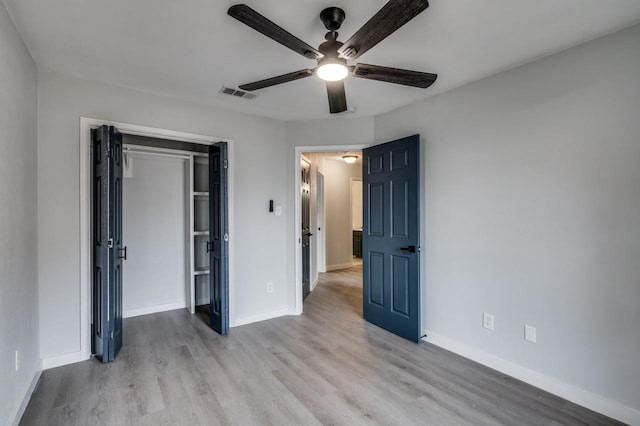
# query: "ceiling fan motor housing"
[[329, 50]]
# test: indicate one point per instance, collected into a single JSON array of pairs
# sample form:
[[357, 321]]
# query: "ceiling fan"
[[332, 55]]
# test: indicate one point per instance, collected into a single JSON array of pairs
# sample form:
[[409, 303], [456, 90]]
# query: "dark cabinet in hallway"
[[357, 243]]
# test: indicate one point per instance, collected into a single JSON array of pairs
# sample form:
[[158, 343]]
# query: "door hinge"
[[226, 237], [225, 164]]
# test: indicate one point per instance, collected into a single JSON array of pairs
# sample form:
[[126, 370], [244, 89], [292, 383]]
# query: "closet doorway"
[[151, 180]]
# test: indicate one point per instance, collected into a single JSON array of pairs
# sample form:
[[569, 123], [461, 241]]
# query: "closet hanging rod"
[[157, 152]]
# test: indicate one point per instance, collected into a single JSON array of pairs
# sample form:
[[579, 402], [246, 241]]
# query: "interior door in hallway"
[[218, 244], [305, 187], [390, 238], [320, 219], [108, 249]]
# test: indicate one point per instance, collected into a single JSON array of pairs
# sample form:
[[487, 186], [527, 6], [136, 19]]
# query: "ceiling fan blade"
[[285, 78], [392, 16], [395, 75], [250, 17], [337, 96]]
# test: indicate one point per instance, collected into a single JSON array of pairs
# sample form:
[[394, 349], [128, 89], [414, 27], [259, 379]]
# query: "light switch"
[[530, 333], [278, 210]]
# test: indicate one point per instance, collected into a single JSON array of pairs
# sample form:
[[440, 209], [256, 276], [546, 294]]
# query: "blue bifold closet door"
[[218, 238], [108, 250]]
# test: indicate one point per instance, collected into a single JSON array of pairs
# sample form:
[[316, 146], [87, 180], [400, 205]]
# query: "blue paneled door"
[[390, 237], [218, 245], [108, 249]]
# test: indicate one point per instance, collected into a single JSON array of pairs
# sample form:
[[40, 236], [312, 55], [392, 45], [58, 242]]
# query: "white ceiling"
[[188, 49]]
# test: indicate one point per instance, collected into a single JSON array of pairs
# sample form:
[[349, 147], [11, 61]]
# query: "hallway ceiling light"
[[350, 159]]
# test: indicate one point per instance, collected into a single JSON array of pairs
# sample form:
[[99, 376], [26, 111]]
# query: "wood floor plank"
[[327, 366]]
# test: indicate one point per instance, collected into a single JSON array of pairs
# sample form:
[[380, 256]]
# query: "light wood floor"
[[325, 367]]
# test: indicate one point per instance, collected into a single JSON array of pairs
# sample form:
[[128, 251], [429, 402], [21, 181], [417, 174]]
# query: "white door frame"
[[298, 210], [86, 125]]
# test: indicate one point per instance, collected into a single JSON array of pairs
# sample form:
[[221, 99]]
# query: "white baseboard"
[[129, 313], [17, 413], [64, 359], [314, 284], [261, 317], [338, 267], [203, 301], [550, 384]]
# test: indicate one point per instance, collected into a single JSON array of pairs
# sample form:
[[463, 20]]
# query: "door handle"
[[123, 250], [410, 249], [208, 246], [308, 234]]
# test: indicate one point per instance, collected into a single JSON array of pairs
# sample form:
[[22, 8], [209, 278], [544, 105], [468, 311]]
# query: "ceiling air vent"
[[237, 93]]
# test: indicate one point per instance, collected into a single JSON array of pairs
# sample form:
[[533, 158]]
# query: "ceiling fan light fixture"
[[332, 69], [332, 55], [350, 159]]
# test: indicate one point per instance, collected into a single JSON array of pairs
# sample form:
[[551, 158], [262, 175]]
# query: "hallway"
[[327, 366]]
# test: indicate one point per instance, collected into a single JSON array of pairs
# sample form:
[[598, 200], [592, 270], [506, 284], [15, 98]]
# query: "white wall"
[[532, 194], [257, 171], [18, 225], [154, 228], [356, 202], [338, 175]]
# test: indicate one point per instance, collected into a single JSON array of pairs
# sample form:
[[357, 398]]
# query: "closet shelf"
[[198, 199], [201, 271]]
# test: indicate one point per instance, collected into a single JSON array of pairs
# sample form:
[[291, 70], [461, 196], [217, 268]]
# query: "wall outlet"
[[487, 321], [17, 360], [269, 287], [530, 333]]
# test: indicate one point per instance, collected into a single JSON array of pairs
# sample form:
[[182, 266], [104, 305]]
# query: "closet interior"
[[165, 225]]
